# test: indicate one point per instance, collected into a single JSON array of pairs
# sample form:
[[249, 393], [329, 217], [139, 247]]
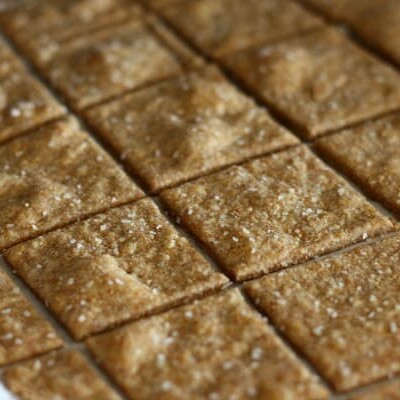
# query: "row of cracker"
[[341, 312]]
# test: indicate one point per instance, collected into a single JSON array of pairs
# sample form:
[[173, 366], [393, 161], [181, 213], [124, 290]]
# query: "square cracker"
[[369, 154], [186, 126], [53, 176], [217, 348], [343, 312], [386, 391], [93, 68], [273, 212], [319, 81], [23, 332], [59, 375], [223, 27], [116, 266], [24, 104]]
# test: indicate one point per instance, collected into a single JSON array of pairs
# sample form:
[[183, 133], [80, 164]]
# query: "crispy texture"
[[217, 348], [115, 266], [342, 312], [54, 176], [186, 126], [24, 104], [60, 375], [23, 332], [320, 81], [369, 153], [96, 67], [273, 212], [387, 391], [223, 27]]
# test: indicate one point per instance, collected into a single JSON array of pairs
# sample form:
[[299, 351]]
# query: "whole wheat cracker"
[[98, 66], [119, 265], [342, 312], [185, 127], [217, 348], [53, 176], [319, 81], [273, 212]]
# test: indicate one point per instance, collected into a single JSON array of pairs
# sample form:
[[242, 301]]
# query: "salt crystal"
[[166, 385], [318, 330], [188, 314], [81, 318], [393, 327], [256, 353], [15, 112]]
